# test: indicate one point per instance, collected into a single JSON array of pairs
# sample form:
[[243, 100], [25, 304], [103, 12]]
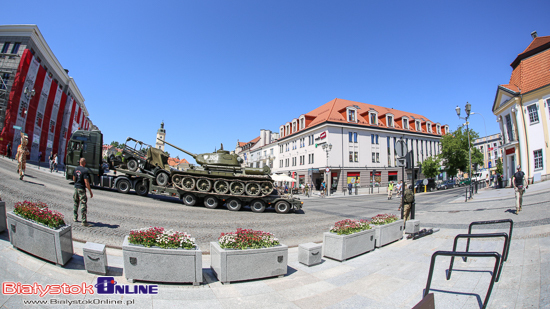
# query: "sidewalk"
[[393, 276]]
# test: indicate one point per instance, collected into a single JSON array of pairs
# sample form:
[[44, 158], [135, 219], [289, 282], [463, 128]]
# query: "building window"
[[294, 126], [372, 118], [509, 130], [302, 123], [438, 128], [377, 157], [355, 137], [351, 156], [537, 155], [429, 125], [15, 48], [374, 139], [351, 137], [356, 156], [533, 113], [417, 125], [310, 159], [351, 115], [390, 121], [405, 123], [5, 48], [374, 157]]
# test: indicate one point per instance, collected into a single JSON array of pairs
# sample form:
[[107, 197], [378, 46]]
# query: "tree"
[[499, 166], [430, 166], [454, 151], [115, 144]]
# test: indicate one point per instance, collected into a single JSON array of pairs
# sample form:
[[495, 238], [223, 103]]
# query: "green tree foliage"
[[116, 144], [454, 151], [430, 166], [499, 166]]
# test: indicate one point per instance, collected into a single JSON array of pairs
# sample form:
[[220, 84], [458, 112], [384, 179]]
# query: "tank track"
[[254, 186]]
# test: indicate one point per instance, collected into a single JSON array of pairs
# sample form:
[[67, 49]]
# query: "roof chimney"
[[534, 34]]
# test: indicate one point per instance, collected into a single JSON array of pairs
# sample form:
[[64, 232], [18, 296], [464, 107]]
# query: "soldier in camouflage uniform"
[[21, 156], [81, 183]]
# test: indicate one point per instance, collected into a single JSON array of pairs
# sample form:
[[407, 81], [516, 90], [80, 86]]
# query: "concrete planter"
[[388, 233], [161, 265], [2, 216], [237, 265], [52, 245], [343, 247]]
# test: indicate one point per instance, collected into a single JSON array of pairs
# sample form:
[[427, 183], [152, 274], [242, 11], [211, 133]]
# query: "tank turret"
[[220, 174]]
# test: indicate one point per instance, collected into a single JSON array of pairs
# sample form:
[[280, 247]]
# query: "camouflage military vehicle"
[[134, 153], [220, 176]]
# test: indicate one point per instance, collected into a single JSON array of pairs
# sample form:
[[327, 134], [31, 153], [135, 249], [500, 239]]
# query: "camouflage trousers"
[[80, 199], [406, 213]]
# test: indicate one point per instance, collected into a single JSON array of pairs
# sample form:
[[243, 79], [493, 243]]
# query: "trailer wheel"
[[123, 186], [257, 206], [162, 179], [132, 165], [234, 204], [189, 199], [211, 202], [142, 188], [282, 207]]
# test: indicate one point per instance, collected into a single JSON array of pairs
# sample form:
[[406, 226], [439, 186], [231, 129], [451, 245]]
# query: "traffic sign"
[[401, 148], [425, 182], [327, 170], [401, 162]]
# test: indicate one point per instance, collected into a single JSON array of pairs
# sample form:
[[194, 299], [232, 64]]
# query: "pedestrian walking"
[[21, 156], [81, 183], [8, 150], [39, 158], [408, 200], [520, 184], [323, 187], [306, 190], [55, 162], [349, 188], [50, 160], [390, 190], [398, 188]]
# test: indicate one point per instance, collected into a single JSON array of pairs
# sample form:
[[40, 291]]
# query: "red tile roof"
[[532, 67], [335, 111], [176, 161]]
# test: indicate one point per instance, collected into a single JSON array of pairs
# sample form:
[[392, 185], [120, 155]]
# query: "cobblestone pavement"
[[393, 276]]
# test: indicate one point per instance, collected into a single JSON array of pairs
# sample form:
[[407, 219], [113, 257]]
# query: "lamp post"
[[327, 148], [468, 109]]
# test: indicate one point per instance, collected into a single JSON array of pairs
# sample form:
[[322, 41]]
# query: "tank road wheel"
[[282, 207], [252, 188], [176, 180], [204, 185], [142, 188], [234, 204], [221, 186], [132, 165], [188, 183], [123, 186], [162, 179], [211, 202], [267, 187], [257, 206], [189, 199], [236, 188]]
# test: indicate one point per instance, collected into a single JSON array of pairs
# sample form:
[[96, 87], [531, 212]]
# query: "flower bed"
[[159, 255], [388, 228], [41, 232], [246, 255], [39, 212], [247, 239], [348, 238], [157, 236]]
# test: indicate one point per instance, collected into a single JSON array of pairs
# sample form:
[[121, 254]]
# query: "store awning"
[[282, 177]]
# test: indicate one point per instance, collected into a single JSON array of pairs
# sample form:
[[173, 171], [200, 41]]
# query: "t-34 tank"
[[220, 173]]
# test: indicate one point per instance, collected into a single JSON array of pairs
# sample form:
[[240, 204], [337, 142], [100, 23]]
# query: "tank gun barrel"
[[187, 152]]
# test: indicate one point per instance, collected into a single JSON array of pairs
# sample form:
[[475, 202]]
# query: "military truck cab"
[[88, 145]]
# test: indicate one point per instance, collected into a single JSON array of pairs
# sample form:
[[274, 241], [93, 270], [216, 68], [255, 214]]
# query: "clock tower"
[[161, 134]]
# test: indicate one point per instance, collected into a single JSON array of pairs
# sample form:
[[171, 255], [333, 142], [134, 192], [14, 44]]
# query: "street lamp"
[[327, 148], [468, 109]]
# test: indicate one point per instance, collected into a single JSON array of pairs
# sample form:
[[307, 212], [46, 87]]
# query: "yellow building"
[[522, 108]]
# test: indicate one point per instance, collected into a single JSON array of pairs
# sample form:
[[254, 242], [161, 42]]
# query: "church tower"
[[161, 134]]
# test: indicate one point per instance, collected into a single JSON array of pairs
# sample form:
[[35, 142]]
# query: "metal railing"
[[492, 222], [496, 255], [488, 235]]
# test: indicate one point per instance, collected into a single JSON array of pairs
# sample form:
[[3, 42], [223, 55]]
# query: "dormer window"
[[302, 122], [373, 118], [293, 126], [417, 125], [438, 128], [287, 129], [429, 126], [405, 123], [446, 129], [389, 121], [282, 131]]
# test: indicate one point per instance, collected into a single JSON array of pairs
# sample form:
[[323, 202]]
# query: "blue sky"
[[218, 71]]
